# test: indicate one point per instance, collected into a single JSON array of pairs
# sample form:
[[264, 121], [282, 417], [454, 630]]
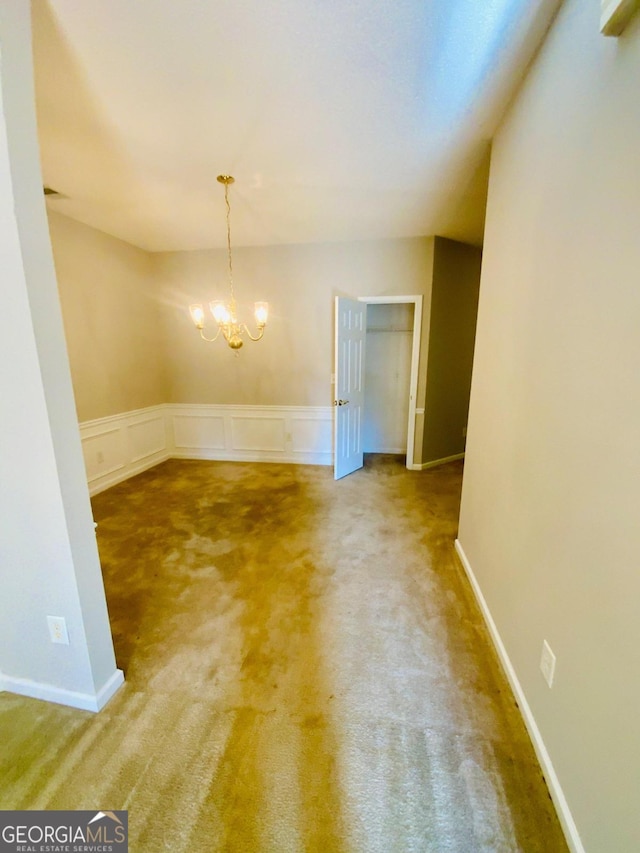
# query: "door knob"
[[342, 402]]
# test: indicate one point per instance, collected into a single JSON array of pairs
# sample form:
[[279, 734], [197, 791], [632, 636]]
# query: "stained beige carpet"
[[306, 671]]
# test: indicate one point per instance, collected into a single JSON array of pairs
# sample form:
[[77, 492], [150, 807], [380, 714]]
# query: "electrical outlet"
[[100, 457], [547, 663], [58, 630]]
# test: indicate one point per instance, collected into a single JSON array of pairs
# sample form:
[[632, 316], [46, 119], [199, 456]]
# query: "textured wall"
[[111, 319], [549, 517]]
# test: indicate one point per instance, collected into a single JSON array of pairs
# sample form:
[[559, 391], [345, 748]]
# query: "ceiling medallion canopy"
[[224, 313]]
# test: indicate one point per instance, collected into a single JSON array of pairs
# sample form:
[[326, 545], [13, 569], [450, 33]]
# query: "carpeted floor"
[[306, 671]]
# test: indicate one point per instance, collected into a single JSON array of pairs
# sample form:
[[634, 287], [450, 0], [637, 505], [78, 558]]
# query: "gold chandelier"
[[224, 313]]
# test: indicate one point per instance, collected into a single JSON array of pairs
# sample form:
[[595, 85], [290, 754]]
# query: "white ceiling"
[[340, 119]]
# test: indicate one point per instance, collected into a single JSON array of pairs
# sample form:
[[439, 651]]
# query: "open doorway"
[[391, 374], [389, 339], [350, 371]]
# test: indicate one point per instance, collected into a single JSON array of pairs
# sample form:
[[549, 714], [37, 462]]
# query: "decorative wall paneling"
[[120, 446], [301, 434]]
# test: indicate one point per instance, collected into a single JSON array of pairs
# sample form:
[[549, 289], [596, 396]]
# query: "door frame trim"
[[416, 299]]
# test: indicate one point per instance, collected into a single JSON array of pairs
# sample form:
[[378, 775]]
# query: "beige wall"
[[48, 557], [132, 344], [551, 496], [454, 307], [293, 364], [111, 320]]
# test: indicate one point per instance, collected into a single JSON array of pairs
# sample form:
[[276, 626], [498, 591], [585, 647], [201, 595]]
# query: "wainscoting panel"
[[104, 453], [119, 446], [249, 432], [300, 434], [307, 434], [147, 437], [198, 432]]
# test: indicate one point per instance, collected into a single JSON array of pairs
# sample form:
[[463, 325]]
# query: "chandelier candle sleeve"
[[221, 313], [197, 315], [262, 313], [224, 313]]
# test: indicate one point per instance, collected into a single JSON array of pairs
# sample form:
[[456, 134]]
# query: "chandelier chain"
[[226, 199]]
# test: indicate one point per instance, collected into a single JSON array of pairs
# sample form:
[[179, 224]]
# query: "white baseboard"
[[50, 693], [557, 795], [252, 456], [119, 446], [435, 462]]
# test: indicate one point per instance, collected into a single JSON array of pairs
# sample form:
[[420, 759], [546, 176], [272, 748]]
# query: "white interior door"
[[351, 330]]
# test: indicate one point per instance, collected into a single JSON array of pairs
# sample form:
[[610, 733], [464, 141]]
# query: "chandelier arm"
[[214, 338], [260, 332]]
